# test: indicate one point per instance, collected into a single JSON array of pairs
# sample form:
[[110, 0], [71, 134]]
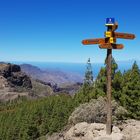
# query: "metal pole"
[[109, 108]]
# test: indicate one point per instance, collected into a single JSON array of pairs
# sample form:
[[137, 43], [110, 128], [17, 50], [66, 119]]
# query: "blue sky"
[[52, 30]]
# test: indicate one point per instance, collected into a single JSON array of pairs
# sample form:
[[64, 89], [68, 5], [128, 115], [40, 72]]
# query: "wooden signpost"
[[109, 43], [124, 35]]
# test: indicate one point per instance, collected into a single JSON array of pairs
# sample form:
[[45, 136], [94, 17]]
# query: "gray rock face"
[[14, 76], [7, 69], [19, 79], [13, 82]]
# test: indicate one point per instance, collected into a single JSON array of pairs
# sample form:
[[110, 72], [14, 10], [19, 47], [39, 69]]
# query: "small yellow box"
[[112, 40], [108, 34]]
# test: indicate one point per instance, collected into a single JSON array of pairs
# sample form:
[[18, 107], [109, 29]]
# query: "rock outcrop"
[[13, 82], [130, 130], [13, 76]]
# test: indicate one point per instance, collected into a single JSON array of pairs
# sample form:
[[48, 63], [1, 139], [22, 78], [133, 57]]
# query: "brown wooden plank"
[[124, 35], [111, 46], [117, 46], [105, 46], [93, 41]]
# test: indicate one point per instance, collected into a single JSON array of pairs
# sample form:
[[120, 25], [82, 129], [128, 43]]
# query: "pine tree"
[[88, 81], [130, 97], [100, 82], [114, 67], [117, 86], [101, 78], [84, 94], [88, 74]]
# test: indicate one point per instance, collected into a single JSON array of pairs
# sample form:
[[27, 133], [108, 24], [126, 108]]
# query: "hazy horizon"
[[77, 68], [29, 61]]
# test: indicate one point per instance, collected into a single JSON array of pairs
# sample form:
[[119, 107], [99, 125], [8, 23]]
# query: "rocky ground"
[[128, 130]]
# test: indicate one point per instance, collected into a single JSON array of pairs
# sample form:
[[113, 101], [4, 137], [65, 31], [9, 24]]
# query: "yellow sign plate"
[[108, 34], [112, 40]]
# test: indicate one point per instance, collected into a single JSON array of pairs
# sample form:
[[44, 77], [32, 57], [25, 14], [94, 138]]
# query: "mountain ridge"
[[51, 76]]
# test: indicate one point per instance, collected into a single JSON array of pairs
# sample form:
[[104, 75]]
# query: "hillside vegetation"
[[30, 119], [26, 120]]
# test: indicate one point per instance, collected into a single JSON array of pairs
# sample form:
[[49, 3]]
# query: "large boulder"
[[95, 111]]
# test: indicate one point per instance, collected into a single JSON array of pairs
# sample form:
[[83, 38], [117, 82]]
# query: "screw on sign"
[[109, 43]]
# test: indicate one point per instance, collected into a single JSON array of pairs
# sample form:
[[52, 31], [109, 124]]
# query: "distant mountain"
[[77, 68], [51, 76]]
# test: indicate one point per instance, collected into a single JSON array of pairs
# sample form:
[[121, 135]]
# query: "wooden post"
[[109, 43], [109, 108]]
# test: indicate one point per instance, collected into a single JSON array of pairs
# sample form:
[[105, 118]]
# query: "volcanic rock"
[[13, 82], [13, 76]]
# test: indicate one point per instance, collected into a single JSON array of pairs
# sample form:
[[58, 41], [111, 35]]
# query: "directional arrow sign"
[[94, 41], [124, 35], [111, 46]]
